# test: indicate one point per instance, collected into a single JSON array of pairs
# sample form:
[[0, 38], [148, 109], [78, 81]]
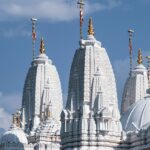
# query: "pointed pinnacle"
[[42, 46], [90, 27], [140, 60]]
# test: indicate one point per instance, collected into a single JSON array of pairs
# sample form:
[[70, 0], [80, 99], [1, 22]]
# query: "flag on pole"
[[33, 35], [130, 45], [81, 17]]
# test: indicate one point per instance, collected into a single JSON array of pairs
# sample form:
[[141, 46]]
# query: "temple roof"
[[14, 135], [137, 116]]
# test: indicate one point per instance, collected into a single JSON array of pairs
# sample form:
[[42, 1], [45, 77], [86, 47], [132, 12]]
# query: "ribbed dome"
[[137, 116], [14, 135]]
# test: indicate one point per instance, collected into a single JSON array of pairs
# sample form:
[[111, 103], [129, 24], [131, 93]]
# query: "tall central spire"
[[91, 107]]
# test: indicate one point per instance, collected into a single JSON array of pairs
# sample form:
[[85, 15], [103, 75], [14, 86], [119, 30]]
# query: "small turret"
[[136, 85]]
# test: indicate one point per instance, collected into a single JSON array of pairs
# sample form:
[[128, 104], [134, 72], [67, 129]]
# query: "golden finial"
[[42, 46], [139, 57], [90, 29]]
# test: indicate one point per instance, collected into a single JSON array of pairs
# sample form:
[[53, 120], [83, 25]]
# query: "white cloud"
[[14, 32], [15, 29], [52, 10], [5, 119], [9, 103]]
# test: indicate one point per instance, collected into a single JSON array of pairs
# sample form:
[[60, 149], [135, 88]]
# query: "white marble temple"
[[91, 116]]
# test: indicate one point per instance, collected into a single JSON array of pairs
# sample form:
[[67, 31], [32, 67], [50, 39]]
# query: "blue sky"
[[58, 24]]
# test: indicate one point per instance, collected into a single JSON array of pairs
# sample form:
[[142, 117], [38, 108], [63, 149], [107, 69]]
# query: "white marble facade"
[[91, 118]]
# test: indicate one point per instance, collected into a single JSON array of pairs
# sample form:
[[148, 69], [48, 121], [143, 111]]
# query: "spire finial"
[[13, 119], [90, 29], [139, 56], [42, 46], [81, 4], [33, 20], [130, 48]]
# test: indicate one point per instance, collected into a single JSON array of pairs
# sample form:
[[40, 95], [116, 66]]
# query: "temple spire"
[[130, 48], [33, 20], [42, 46], [139, 57], [81, 4], [90, 28]]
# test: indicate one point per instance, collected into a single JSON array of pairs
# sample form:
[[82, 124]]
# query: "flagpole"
[[81, 4], [148, 70], [130, 48], [33, 20]]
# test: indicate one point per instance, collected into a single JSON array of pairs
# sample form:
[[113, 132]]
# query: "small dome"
[[14, 135], [50, 127], [137, 116]]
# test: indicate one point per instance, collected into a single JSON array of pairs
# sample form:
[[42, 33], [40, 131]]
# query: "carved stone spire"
[[91, 72], [140, 60], [136, 86], [42, 46], [90, 29]]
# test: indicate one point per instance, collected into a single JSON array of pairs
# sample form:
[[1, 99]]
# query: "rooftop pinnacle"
[[139, 57], [90, 29], [42, 47]]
